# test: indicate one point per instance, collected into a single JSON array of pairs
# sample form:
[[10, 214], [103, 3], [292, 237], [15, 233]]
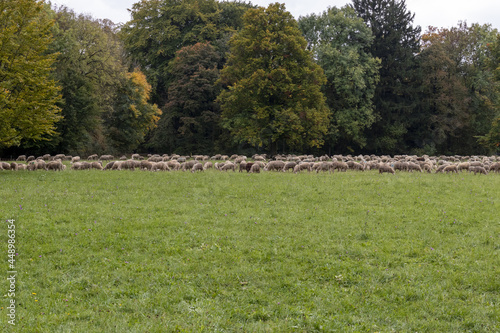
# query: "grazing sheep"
[[243, 166], [451, 168], [324, 166], [341, 166], [173, 165], [427, 167], [208, 165], [30, 158], [96, 165], [495, 167], [382, 167], [138, 157], [302, 166], [92, 157], [274, 165], [228, 166], [255, 168], [76, 166], [414, 166], [441, 168], [117, 165], [197, 167], [106, 157], [54, 165], [22, 166], [5, 166], [187, 165], [249, 165], [463, 166], [109, 165], [289, 166], [478, 169], [146, 165], [75, 159], [356, 166], [21, 158]]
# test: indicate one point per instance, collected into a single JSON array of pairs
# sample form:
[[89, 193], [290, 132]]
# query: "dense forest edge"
[[205, 77]]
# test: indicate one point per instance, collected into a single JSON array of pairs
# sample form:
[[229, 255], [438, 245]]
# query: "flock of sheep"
[[258, 162]]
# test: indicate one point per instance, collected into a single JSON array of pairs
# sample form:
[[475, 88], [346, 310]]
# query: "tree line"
[[202, 76]]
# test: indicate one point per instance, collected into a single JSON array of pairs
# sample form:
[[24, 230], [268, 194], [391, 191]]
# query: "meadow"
[[135, 251]]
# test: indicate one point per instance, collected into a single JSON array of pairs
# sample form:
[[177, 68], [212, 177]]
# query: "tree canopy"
[[339, 40], [28, 95], [272, 85]]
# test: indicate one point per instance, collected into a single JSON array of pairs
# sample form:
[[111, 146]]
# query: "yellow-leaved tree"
[[28, 95]]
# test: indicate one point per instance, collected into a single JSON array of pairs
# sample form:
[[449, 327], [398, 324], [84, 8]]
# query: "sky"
[[437, 13]]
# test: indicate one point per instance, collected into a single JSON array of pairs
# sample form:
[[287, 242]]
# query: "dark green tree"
[[339, 40], [396, 44], [191, 117], [460, 97], [89, 67], [159, 28], [272, 85], [28, 95]]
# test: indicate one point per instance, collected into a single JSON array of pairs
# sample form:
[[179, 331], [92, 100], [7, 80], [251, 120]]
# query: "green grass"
[[123, 251]]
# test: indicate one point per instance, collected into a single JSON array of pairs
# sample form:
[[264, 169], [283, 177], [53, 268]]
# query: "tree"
[[396, 43], [272, 85], [191, 120], [89, 67], [28, 95], [132, 116], [159, 28], [339, 39], [460, 92]]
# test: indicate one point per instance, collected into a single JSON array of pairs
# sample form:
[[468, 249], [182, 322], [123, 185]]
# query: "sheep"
[[30, 158], [289, 166], [21, 166], [76, 166], [382, 167], [249, 165], [255, 168], [197, 167], [341, 166], [21, 158], [207, 165], [228, 166], [106, 157], [129, 164], [138, 157], [427, 167], [414, 166], [478, 169], [274, 165], [117, 165], [302, 166], [324, 166], [146, 165], [160, 166], [173, 165], [54, 165], [109, 165], [96, 165], [495, 167], [188, 165], [463, 165], [243, 166], [356, 166], [75, 159], [92, 157], [451, 168]]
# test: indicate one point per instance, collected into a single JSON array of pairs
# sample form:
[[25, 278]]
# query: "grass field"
[[123, 251]]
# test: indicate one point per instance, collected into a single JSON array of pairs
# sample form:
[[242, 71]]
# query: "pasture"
[[136, 251]]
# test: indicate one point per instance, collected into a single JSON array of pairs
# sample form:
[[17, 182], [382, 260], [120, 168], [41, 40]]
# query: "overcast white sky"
[[438, 13]]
